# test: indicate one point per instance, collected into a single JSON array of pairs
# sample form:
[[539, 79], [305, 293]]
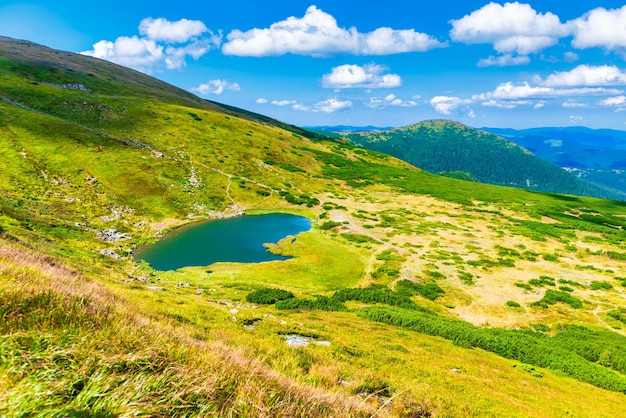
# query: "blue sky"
[[391, 63]]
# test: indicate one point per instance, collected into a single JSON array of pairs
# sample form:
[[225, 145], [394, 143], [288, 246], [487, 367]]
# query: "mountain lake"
[[238, 239]]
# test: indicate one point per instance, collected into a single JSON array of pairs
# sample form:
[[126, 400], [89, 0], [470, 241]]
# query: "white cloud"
[[511, 91], [332, 105], [216, 87], [282, 103], [506, 60], [156, 50], [368, 76], [317, 34], [389, 100], [471, 114], [172, 32], [588, 75], [446, 104], [571, 57], [138, 53], [261, 100], [600, 28], [614, 101], [510, 28], [576, 119], [571, 104], [508, 104]]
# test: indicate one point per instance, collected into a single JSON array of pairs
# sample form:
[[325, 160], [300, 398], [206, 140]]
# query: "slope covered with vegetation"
[[452, 149], [412, 295]]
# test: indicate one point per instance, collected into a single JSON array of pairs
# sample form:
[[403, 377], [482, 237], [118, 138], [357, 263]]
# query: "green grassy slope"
[[91, 173], [453, 149]]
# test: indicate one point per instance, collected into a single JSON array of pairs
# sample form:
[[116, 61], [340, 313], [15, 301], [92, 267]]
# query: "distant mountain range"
[[595, 155], [452, 149], [575, 147]]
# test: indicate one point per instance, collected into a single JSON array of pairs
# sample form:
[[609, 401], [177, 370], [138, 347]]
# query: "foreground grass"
[[69, 348]]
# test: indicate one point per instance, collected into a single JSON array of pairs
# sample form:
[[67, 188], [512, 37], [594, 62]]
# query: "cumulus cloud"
[[389, 100], [600, 28], [318, 34], [134, 52], [510, 28], [614, 101], [332, 105], [216, 87], [367, 76], [588, 75], [506, 60], [164, 44], [172, 32], [447, 104], [261, 100]]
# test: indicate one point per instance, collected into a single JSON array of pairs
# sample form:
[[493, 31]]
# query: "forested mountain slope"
[[449, 148]]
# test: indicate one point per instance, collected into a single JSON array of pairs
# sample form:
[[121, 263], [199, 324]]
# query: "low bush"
[[600, 286], [268, 296], [554, 296], [427, 290]]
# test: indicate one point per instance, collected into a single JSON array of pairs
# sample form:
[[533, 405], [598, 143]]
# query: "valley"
[[416, 281]]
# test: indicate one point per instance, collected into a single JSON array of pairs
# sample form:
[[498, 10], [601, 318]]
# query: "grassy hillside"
[[452, 149], [418, 295]]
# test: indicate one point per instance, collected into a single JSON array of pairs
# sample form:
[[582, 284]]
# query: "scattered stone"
[[234, 311], [199, 291], [295, 340], [156, 288], [111, 253], [70, 86], [111, 235]]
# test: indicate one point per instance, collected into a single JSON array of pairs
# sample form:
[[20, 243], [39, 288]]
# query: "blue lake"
[[237, 239]]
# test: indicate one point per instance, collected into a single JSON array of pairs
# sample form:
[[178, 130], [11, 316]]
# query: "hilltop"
[[432, 295], [452, 149]]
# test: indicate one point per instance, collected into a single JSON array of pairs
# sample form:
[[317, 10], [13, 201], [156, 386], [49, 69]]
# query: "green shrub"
[[321, 303], [575, 351], [554, 296], [466, 278], [513, 304], [551, 257], [428, 290], [268, 296], [329, 225], [600, 286], [359, 239]]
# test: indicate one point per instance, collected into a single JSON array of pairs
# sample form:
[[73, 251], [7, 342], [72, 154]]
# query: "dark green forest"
[[455, 150]]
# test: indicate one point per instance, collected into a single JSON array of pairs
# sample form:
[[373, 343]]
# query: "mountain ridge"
[[443, 146]]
